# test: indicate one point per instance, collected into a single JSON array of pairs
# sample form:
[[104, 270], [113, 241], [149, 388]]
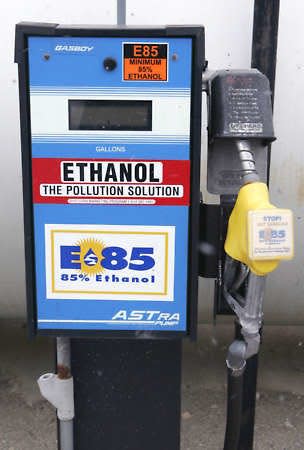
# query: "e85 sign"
[[109, 262]]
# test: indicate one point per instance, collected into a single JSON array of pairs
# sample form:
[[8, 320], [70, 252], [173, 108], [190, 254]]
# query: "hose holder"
[[60, 393]]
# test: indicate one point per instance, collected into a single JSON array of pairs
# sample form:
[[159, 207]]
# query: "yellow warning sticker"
[[144, 61]]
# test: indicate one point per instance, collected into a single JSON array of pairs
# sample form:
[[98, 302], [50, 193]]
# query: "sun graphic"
[[91, 256]]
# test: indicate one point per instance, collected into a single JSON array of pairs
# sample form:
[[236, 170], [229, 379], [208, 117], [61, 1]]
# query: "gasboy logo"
[[73, 48], [110, 262]]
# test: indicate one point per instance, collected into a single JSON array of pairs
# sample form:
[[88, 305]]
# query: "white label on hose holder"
[[270, 234]]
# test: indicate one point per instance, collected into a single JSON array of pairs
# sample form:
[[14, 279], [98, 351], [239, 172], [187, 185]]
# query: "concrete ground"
[[28, 423]]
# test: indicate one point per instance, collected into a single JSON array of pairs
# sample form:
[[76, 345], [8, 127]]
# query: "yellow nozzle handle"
[[251, 197]]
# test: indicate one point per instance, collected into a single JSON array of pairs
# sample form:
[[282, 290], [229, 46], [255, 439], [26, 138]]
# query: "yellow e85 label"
[[270, 234]]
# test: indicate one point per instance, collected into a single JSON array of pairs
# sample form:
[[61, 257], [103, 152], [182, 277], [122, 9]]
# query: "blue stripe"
[[87, 89], [109, 140], [132, 151]]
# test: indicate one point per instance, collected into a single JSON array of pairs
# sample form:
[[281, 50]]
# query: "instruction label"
[[270, 234], [144, 61]]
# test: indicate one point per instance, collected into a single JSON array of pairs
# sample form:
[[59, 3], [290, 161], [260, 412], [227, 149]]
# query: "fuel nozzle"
[[241, 127], [246, 155]]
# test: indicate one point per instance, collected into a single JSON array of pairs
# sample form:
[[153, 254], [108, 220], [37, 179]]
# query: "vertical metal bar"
[[121, 12], [264, 44], [265, 38], [63, 357], [264, 57], [66, 429]]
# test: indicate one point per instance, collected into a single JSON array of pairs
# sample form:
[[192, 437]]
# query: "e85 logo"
[[110, 262], [92, 256]]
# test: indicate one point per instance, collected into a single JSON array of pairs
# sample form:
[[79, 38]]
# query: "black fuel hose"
[[234, 410]]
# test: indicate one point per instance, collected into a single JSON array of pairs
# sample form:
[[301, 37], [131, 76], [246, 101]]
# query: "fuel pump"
[[111, 135], [115, 234]]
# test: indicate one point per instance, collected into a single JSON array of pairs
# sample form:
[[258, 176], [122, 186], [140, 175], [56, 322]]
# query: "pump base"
[[127, 394]]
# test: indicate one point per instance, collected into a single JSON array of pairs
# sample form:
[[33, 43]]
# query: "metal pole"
[[265, 38], [66, 431], [264, 44], [263, 57], [121, 12]]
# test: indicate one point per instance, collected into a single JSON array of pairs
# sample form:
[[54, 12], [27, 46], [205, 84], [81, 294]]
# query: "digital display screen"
[[132, 115]]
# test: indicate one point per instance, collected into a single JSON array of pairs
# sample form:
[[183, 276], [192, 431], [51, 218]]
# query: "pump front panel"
[[111, 177]]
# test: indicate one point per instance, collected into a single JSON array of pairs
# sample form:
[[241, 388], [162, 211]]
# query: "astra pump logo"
[[91, 257]]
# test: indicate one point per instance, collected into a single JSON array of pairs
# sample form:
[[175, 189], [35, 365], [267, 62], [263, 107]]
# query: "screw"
[[46, 56]]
